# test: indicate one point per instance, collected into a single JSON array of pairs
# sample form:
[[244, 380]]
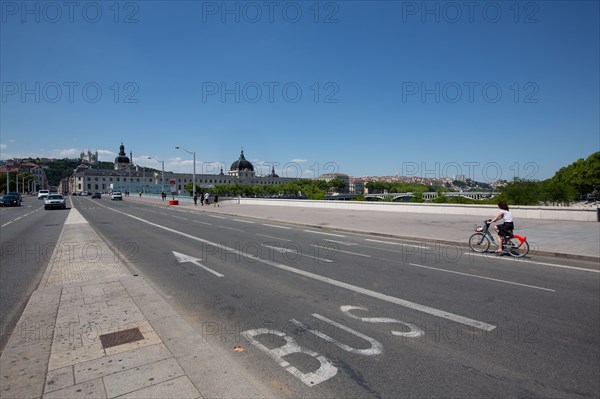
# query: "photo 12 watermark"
[[470, 92], [270, 92], [69, 92], [54, 12], [91, 252], [473, 170], [470, 12], [271, 12]]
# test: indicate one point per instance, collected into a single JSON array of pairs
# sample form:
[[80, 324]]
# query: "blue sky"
[[491, 89]]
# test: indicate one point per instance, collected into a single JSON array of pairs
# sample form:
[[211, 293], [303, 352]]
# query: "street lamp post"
[[17, 181], [162, 177], [194, 170]]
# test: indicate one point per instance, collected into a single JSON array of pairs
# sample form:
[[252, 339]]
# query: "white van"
[[43, 193]]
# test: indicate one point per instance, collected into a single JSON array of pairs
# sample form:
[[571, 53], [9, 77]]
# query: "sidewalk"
[[92, 330], [575, 240]]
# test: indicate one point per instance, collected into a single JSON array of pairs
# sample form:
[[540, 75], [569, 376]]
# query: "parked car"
[[116, 195], [43, 194], [10, 200], [55, 201], [97, 195]]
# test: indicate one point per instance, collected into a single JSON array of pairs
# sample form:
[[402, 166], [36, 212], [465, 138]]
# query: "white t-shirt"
[[507, 216]]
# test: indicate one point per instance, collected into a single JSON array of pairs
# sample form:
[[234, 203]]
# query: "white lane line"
[[482, 277], [180, 217], [161, 213], [340, 242], [339, 250], [397, 243], [278, 227], [323, 233], [232, 228], [197, 221], [217, 217], [373, 294], [276, 238], [583, 269], [20, 217], [288, 250], [243, 221]]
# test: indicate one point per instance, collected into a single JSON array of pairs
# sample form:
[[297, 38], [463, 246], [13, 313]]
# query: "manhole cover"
[[121, 337]]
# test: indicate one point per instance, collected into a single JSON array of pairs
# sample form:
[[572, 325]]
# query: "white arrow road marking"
[[183, 258]]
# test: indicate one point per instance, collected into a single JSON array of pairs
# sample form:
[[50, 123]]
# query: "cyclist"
[[506, 228]]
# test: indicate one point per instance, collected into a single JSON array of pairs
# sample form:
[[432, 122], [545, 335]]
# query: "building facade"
[[134, 179]]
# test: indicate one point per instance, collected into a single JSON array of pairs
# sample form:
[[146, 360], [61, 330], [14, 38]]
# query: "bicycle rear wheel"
[[478, 242], [513, 248]]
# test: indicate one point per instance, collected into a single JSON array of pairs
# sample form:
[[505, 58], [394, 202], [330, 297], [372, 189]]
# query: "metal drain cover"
[[121, 337]]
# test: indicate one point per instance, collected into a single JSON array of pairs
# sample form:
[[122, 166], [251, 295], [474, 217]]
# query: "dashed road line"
[[396, 243], [278, 227], [340, 250], [482, 277], [323, 233], [583, 269]]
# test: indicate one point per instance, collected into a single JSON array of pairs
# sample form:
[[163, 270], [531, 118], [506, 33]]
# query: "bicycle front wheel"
[[515, 250], [478, 242]]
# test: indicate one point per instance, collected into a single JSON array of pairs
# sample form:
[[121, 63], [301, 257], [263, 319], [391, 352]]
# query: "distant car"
[[10, 200], [43, 194], [18, 195], [97, 195], [55, 201], [116, 195]]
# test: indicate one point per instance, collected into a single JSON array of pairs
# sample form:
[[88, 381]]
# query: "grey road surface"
[[326, 314], [28, 236]]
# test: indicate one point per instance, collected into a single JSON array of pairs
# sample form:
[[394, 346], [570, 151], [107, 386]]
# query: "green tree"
[[521, 192]]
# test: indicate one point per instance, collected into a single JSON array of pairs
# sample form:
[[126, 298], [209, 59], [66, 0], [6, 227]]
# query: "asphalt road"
[[28, 236], [325, 314]]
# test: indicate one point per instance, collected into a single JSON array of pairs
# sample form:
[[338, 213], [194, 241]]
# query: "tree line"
[[580, 180], [301, 188]]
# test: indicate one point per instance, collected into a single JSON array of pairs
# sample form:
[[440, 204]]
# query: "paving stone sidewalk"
[[62, 347]]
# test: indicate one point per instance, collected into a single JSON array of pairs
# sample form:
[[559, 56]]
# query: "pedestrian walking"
[[163, 195], [216, 199], [206, 198], [195, 199]]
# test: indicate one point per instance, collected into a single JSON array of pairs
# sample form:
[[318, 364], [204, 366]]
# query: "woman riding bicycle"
[[506, 228]]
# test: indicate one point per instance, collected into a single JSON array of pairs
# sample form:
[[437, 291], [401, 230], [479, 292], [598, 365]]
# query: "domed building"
[[122, 161], [242, 168]]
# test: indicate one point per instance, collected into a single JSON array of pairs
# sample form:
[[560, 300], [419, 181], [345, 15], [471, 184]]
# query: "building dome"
[[242, 164], [122, 158]]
